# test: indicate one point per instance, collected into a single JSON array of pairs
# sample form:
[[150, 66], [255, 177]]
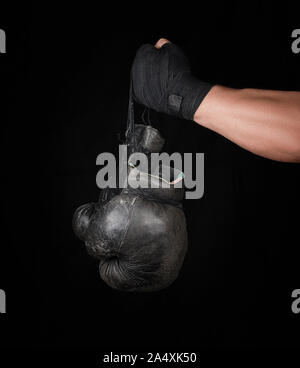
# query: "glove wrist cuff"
[[197, 92]]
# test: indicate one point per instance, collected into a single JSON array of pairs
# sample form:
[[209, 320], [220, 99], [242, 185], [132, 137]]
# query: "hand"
[[162, 80]]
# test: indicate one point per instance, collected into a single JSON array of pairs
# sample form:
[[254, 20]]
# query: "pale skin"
[[263, 122]]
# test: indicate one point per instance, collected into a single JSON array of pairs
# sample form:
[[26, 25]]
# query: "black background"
[[64, 91]]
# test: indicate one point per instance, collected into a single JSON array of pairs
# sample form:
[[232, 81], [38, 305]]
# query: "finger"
[[161, 42]]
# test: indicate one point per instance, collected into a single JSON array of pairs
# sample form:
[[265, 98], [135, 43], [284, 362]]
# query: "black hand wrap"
[[162, 81]]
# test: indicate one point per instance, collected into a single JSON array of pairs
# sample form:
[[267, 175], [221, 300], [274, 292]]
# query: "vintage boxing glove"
[[138, 234]]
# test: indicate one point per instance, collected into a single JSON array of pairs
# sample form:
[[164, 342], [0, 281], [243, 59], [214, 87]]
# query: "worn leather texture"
[[138, 234]]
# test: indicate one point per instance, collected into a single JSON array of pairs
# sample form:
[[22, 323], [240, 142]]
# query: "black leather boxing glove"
[[82, 219], [141, 243], [162, 81], [138, 234]]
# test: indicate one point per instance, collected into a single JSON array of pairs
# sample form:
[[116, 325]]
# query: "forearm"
[[264, 122]]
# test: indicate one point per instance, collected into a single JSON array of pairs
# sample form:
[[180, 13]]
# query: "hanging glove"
[[139, 235]]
